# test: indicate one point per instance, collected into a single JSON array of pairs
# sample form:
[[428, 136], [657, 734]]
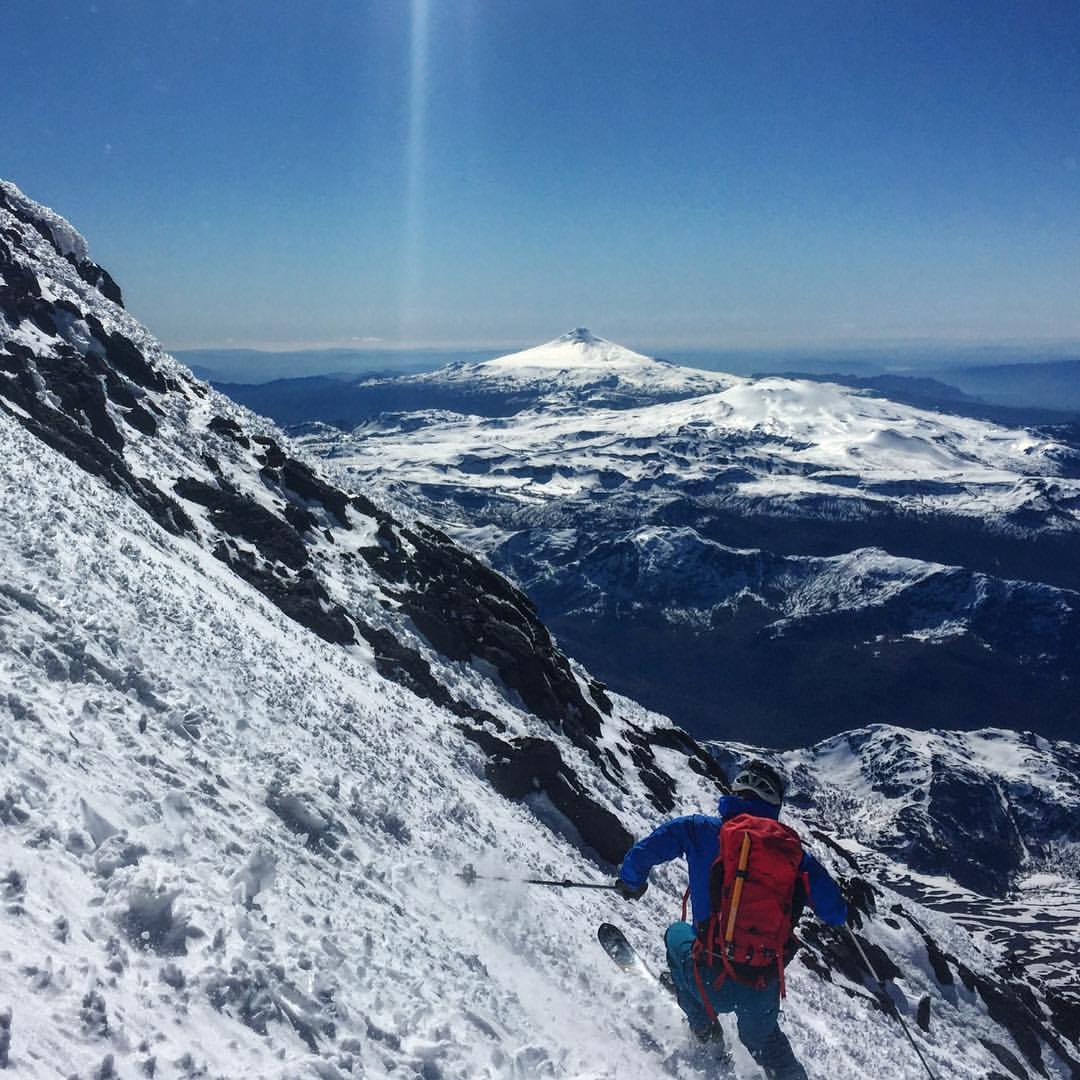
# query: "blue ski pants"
[[756, 1011]]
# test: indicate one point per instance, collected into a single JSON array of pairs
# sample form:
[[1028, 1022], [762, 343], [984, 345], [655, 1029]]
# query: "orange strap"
[[736, 896]]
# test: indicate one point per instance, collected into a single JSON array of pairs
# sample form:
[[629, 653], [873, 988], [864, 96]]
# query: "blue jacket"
[[695, 837]]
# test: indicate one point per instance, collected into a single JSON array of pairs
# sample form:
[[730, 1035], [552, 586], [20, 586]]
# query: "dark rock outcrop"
[[302, 597], [241, 517], [467, 611], [532, 769]]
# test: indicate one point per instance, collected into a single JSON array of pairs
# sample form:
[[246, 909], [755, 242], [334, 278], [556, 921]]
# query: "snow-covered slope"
[[773, 552], [251, 725], [775, 444]]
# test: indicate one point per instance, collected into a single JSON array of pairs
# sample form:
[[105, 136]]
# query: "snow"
[[278, 704], [68, 240], [577, 349], [229, 848], [803, 437], [578, 353]]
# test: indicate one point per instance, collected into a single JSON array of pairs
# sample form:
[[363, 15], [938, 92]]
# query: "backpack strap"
[[710, 1012], [685, 902]]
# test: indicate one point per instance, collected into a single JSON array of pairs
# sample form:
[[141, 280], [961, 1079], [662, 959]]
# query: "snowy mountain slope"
[[84, 377], [769, 445], [273, 768], [828, 547], [251, 725], [261, 878]]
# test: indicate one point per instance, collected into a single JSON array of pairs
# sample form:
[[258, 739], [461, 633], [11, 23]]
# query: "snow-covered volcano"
[[581, 359], [252, 725], [578, 369], [579, 352]]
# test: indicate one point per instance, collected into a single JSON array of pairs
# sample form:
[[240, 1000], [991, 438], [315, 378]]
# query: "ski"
[[614, 943], [626, 958]]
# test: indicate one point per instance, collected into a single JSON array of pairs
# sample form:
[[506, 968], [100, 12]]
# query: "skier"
[[749, 881]]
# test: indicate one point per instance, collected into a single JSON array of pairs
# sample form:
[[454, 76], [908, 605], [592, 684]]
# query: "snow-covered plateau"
[[253, 724], [752, 553]]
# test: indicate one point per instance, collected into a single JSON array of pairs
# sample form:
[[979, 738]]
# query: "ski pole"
[[469, 875], [890, 1005]]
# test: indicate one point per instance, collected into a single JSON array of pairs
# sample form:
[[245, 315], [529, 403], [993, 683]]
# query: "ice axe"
[[469, 875], [887, 1001]]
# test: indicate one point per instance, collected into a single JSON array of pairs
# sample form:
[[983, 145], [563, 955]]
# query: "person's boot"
[[713, 1043], [777, 1059], [712, 1032]]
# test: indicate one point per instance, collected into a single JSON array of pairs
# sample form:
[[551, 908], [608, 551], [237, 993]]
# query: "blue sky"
[[456, 172]]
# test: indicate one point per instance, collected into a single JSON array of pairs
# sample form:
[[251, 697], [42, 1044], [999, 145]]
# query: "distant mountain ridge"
[[1050, 384], [690, 549]]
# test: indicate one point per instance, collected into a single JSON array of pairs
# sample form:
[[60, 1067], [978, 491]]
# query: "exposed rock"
[[922, 1013], [240, 516], [302, 597], [222, 425], [1006, 1057], [530, 767], [468, 611]]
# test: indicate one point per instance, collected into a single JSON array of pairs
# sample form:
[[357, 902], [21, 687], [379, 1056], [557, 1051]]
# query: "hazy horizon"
[[239, 365]]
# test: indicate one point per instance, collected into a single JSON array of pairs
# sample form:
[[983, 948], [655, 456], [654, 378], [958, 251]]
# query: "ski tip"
[[609, 932], [614, 943]]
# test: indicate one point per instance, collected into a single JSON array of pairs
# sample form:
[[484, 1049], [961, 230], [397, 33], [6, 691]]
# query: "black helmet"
[[761, 781]]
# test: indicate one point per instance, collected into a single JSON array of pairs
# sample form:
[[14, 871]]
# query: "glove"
[[859, 895], [630, 892]]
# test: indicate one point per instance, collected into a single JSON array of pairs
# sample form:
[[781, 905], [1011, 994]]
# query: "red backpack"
[[752, 886]]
